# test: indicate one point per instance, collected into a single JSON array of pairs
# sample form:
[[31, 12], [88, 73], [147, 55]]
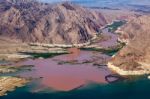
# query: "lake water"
[[55, 80], [68, 72], [79, 75], [138, 89]]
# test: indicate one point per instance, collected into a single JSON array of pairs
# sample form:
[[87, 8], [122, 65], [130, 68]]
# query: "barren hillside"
[[136, 55], [31, 21]]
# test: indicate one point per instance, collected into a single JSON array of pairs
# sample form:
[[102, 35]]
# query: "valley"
[[65, 50], [67, 58]]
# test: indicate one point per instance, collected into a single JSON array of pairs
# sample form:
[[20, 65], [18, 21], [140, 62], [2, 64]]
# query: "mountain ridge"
[[63, 23], [135, 56]]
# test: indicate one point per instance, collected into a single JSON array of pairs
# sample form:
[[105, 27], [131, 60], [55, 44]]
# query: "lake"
[[55, 78], [135, 89], [68, 72], [82, 74]]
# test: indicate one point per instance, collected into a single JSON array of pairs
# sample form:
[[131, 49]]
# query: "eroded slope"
[[64, 23], [135, 57]]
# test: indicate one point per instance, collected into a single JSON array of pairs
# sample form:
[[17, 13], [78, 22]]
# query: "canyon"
[[65, 47]]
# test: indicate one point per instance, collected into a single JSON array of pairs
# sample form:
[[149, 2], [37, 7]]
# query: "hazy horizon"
[[101, 3]]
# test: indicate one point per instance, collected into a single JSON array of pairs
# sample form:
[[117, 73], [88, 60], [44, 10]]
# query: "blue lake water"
[[135, 89]]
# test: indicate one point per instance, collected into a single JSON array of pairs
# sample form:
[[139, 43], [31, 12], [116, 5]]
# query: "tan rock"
[[10, 83], [135, 56]]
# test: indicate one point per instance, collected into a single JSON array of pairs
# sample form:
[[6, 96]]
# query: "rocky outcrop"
[[123, 72], [135, 56], [10, 83], [30, 21]]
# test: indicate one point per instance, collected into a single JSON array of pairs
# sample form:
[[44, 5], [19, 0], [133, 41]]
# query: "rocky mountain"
[[135, 56], [32, 21]]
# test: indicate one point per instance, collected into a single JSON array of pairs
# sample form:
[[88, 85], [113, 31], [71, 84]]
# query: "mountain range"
[[32, 21]]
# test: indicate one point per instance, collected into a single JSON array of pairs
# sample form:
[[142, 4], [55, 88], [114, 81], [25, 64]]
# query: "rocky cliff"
[[31, 21], [135, 56]]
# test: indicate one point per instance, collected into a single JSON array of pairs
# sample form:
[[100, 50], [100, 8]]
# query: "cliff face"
[[136, 55], [64, 23]]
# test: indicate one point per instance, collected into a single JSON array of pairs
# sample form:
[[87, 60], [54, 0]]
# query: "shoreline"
[[123, 72], [126, 72], [9, 84], [64, 45]]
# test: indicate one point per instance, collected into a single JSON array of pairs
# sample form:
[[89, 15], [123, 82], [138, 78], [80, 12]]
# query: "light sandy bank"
[[127, 72], [10, 83]]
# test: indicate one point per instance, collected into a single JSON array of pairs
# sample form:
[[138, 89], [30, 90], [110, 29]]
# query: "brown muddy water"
[[74, 70], [70, 71]]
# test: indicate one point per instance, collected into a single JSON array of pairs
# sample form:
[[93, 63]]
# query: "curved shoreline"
[[121, 71], [127, 72]]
